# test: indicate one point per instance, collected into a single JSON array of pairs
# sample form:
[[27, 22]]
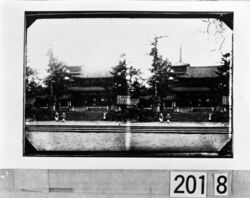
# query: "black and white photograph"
[[128, 84], [124, 99]]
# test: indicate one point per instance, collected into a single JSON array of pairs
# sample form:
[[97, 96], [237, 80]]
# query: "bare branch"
[[208, 26], [222, 43]]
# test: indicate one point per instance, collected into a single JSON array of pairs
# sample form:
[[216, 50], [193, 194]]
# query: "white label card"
[[221, 184], [188, 184]]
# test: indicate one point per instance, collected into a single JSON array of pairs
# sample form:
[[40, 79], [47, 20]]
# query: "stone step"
[[89, 138], [122, 129]]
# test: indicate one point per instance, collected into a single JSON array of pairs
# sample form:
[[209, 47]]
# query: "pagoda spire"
[[180, 54]]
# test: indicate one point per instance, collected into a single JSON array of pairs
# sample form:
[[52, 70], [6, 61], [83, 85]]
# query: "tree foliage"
[[126, 80], [223, 72], [161, 70], [58, 79], [32, 82], [120, 85]]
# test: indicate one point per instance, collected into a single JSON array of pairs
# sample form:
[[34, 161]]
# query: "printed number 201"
[[188, 184]]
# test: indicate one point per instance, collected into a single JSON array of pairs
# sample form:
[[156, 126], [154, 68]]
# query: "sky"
[[98, 44]]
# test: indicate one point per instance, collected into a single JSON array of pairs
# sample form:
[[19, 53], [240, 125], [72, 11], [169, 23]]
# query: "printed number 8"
[[221, 187]]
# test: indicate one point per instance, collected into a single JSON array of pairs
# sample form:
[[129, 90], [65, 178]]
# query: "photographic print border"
[[31, 16]]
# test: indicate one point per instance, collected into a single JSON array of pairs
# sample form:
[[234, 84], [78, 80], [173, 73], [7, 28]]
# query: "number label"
[[188, 184], [221, 184]]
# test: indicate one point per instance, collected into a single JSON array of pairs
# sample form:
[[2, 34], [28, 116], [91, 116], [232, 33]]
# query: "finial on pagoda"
[[180, 54]]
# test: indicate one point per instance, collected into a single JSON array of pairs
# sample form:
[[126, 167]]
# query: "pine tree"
[[58, 79], [33, 85], [161, 70], [126, 80], [223, 72]]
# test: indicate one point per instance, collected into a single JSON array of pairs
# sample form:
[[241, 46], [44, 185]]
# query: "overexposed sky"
[[97, 44]]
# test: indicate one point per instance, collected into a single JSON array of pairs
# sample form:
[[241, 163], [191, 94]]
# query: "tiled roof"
[[201, 72], [42, 97], [93, 88], [91, 76], [75, 69], [31, 101], [178, 64], [181, 89], [65, 97], [171, 97]]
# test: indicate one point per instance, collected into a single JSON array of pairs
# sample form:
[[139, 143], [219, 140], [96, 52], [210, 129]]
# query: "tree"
[[223, 72], [216, 28], [138, 89], [32, 83], [118, 73], [134, 80], [57, 81], [126, 80], [161, 70]]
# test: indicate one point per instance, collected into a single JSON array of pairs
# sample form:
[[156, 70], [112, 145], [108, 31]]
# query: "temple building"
[[90, 91], [193, 86], [86, 91]]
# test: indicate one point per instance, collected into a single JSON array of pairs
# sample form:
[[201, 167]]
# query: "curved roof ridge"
[[180, 64], [205, 66], [201, 72]]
